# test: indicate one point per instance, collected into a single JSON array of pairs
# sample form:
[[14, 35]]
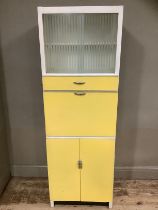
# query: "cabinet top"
[[81, 9]]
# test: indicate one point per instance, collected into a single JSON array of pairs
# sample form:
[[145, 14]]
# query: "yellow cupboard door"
[[97, 172], [80, 113], [63, 172]]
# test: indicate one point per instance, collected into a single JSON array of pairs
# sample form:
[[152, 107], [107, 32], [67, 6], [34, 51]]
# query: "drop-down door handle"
[[80, 93]]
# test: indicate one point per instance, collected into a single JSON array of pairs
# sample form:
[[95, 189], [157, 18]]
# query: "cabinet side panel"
[[97, 174], [63, 173]]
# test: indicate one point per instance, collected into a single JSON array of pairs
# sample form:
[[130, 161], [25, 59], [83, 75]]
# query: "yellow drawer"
[[92, 114], [80, 83]]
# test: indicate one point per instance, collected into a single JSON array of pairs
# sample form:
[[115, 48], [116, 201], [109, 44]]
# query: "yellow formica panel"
[[63, 173], [85, 83], [97, 173], [92, 114]]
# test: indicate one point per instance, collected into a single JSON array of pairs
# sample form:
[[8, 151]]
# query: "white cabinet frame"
[[82, 10]]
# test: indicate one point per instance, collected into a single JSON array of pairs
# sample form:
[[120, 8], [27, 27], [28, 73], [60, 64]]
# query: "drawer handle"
[[79, 93], [79, 83]]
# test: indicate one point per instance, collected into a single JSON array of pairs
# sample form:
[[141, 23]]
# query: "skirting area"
[[32, 194], [139, 172]]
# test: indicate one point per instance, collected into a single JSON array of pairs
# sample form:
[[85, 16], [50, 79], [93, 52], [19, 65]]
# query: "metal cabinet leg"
[[110, 205], [52, 204]]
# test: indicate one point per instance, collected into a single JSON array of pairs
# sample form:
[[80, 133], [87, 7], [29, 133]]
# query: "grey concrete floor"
[[32, 194]]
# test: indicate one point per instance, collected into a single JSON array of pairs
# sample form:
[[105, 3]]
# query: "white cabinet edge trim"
[[81, 9], [78, 75], [119, 42], [81, 137]]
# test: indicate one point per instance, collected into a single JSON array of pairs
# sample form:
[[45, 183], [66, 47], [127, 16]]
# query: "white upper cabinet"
[[80, 40]]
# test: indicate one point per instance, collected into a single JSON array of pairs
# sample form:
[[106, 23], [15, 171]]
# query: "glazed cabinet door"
[[80, 113], [97, 172], [86, 42], [63, 172], [86, 39]]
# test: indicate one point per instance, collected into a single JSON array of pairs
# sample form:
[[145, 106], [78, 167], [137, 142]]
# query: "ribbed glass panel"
[[80, 43]]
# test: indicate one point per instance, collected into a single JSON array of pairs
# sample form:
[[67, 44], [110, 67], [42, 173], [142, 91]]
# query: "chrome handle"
[[80, 93], [79, 163], [79, 83]]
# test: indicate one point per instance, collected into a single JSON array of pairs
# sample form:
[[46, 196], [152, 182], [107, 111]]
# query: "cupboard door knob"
[[79, 93], [79, 83], [80, 164]]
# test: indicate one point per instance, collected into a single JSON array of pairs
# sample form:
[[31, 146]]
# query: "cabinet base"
[[52, 204]]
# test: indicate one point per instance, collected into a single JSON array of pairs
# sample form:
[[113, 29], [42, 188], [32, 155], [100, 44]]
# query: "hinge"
[[80, 164]]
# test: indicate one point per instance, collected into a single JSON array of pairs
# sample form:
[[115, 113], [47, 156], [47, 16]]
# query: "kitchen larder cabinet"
[[80, 58]]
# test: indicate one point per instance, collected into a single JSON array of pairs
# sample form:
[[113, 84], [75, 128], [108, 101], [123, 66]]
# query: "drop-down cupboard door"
[[80, 113]]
